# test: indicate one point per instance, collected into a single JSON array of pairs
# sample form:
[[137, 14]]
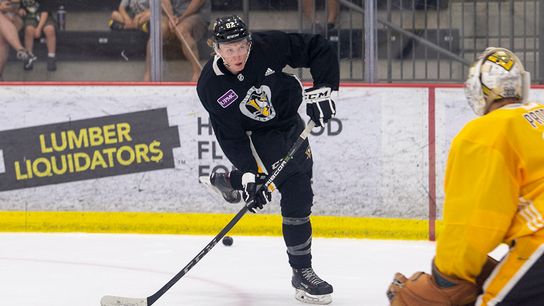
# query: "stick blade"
[[109, 300]]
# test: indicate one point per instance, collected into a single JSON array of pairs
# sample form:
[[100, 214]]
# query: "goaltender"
[[494, 193]]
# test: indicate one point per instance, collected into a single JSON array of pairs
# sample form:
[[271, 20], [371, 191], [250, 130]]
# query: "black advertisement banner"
[[87, 149]]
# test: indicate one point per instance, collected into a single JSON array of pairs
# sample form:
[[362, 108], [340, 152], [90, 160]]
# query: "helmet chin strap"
[[248, 51]]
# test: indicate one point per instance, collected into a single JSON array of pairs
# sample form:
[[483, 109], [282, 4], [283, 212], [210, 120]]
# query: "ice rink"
[[78, 269]]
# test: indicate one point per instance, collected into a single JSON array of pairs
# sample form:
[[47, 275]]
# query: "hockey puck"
[[227, 240]]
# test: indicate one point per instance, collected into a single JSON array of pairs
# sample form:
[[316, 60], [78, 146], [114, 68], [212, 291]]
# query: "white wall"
[[372, 161]]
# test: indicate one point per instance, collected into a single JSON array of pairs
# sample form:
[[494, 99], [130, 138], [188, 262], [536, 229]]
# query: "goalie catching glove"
[[319, 105], [422, 289], [252, 191]]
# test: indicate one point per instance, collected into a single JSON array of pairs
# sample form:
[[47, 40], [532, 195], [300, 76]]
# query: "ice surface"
[[78, 269]]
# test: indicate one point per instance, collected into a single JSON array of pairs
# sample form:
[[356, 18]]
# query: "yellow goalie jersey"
[[494, 188]]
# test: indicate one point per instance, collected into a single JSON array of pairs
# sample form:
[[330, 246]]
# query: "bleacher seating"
[[115, 45]]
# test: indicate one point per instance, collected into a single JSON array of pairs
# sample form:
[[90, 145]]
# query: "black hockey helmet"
[[229, 29]]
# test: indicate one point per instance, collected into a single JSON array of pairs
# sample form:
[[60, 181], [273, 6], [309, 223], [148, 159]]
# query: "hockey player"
[[494, 193], [253, 108]]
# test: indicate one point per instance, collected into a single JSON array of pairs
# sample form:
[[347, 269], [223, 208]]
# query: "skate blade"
[[307, 298], [234, 199], [204, 180]]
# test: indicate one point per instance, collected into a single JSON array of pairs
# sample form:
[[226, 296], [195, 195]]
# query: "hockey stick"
[[180, 36], [109, 300]]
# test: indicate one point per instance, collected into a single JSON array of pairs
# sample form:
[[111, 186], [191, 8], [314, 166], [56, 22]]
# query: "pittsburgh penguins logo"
[[502, 59], [257, 104]]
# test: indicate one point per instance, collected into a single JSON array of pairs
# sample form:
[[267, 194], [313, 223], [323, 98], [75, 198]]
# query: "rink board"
[[129, 148], [208, 224]]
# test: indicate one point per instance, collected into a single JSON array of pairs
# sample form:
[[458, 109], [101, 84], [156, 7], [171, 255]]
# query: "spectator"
[[37, 20], [192, 18], [130, 15], [308, 8], [9, 24]]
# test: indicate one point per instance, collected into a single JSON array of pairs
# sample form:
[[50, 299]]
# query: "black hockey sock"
[[297, 234]]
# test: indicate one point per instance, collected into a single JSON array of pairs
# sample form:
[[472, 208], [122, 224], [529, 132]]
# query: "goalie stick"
[[110, 300]]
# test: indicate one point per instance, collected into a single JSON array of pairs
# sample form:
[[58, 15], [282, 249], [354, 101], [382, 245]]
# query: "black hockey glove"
[[251, 183], [319, 105]]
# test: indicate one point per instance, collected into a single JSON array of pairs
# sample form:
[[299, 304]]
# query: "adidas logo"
[[269, 72]]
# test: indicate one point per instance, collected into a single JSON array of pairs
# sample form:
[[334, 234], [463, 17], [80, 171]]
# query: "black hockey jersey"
[[259, 106]]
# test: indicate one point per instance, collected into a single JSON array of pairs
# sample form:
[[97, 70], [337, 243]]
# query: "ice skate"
[[310, 288], [220, 184]]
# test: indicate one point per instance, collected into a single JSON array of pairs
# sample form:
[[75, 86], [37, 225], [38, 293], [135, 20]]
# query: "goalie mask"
[[496, 75]]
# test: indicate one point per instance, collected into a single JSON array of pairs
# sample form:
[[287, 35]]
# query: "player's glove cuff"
[[319, 105], [254, 193]]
